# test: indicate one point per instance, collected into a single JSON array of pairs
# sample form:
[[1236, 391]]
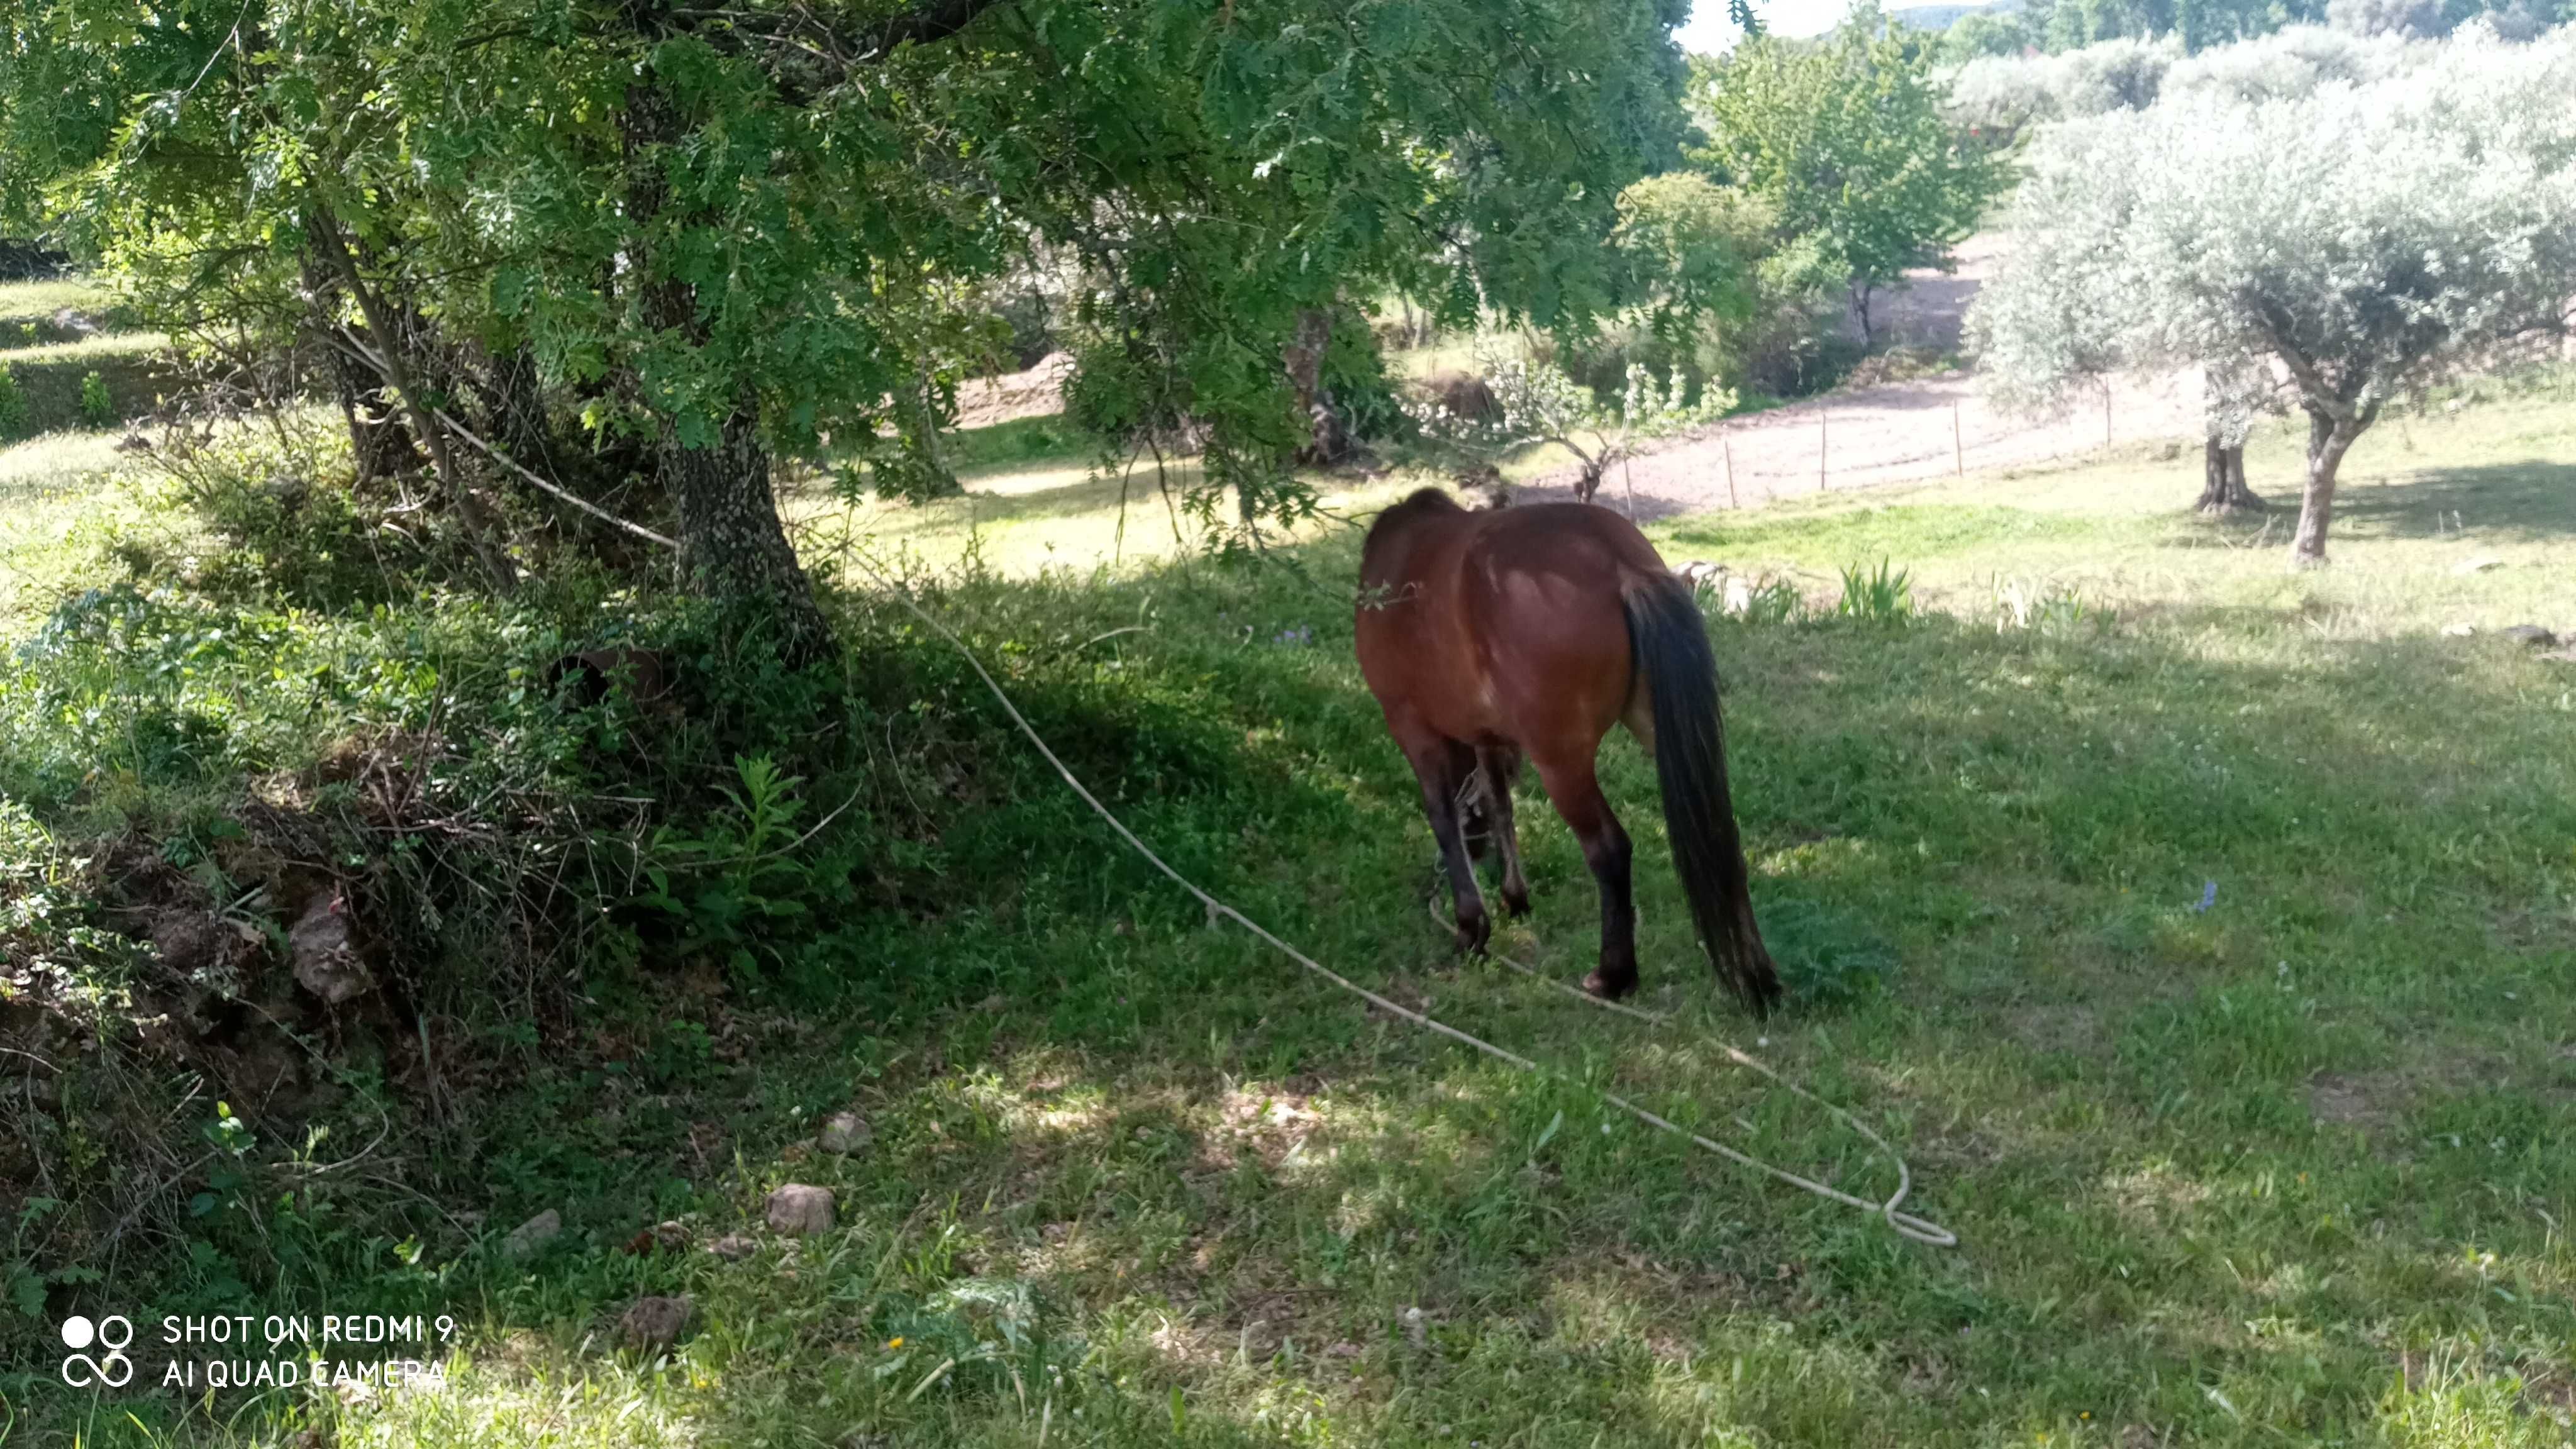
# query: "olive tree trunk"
[[2223, 487], [2329, 438]]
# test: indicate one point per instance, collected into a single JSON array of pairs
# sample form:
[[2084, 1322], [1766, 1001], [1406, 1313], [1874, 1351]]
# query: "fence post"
[[2106, 412], [1726, 441], [1821, 483], [1958, 453]]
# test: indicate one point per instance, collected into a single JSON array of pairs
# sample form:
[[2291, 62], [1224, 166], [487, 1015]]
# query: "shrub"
[[2293, 63], [97, 407], [1354, 373], [13, 404]]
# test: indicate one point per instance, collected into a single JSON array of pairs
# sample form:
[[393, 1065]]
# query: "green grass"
[[35, 305], [58, 505], [1035, 501], [2296, 1168], [132, 364]]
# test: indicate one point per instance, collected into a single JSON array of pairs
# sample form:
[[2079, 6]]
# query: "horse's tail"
[[1668, 645]]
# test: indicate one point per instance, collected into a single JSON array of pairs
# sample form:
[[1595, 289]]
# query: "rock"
[[733, 1247], [654, 1324], [533, 1234], [1700, 573], [326, 964], [667, 1236], [2531, 635], [846, 1133], [2459, 631], [2479, 564], [1417, 1328], [799, 1211]]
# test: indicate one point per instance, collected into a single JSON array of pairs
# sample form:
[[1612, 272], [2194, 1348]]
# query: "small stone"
[[799, 1211], [2459, 631], [671, 1236], [654, 1324], [2531, 635], [2479, 564], [326, 961], [533, 1234], [733, 1247], [846, 1133], [1417, 1328]]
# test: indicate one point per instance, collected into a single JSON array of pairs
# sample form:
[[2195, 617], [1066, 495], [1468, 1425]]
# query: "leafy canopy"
[[1846, 141], [834, 183], [2362, 237]]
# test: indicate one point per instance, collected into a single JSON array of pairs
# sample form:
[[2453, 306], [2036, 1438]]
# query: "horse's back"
[[1507, 624], [1547, 593]]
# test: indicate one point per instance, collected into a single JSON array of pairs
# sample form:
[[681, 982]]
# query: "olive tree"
[[2354, 244]]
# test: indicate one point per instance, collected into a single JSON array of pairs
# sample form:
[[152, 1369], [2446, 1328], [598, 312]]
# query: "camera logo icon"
[[111, 1368]]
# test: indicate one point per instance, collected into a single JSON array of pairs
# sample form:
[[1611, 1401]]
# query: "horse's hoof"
[[1473, 932], [1610, 988], [1515, 906]]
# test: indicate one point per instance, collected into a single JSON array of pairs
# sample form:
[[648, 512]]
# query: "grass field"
[[2202, 935], [49, 360]]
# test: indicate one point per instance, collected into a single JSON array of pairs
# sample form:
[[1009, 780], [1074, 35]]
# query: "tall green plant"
[[1846, 140], [13, 404]]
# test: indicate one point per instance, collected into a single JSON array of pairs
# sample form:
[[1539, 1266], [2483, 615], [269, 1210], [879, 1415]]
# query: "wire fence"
[[1903, 432]]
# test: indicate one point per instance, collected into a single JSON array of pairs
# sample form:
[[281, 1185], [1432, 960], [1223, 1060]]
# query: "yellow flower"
[[895, 1342]]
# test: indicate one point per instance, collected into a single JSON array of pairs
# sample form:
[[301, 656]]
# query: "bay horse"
[[1528, 632]]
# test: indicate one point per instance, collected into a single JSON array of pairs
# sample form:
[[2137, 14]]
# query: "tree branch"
[[584, 504], [327, 238]]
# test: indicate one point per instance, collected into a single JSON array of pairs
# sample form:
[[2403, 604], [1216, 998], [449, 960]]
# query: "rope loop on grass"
[[1904, 1224]]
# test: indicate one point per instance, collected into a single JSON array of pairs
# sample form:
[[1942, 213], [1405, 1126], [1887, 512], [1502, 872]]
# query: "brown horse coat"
[[1491, 636]]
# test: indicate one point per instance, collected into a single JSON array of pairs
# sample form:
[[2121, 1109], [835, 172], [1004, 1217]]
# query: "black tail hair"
[[1668, 644]]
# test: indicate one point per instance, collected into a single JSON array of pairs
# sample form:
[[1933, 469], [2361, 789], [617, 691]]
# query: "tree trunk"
[[2223, 487], [513, 396], [2329, 439], [732, 545], [379, 445], [392, 357], [1328, 440], [731, 540]]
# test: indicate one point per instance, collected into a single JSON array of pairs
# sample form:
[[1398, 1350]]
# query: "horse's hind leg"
[[1576, 792], [1497, 766], [1444, 766]]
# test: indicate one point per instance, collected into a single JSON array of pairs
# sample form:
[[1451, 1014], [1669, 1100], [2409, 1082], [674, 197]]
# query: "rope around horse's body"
[[1906, 1225]]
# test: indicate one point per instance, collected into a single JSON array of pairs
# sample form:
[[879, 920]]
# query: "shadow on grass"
[[2521, 501]]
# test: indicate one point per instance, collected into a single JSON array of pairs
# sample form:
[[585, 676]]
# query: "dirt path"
[[1894, 433]]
